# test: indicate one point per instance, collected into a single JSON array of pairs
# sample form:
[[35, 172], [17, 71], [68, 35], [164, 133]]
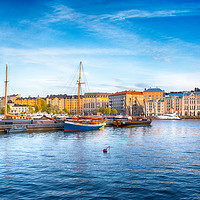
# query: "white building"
[[191, 104]]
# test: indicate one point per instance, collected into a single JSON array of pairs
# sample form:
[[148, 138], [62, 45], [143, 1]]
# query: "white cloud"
[[122, 15]]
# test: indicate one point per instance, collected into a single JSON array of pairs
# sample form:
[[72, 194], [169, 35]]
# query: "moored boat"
[[172, 116], [75, 126], [14, 130], [81, 125], [132, 123]]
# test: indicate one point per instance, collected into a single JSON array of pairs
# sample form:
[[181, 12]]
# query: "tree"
[[114, 112], [102, 110], [36, 109], [1, 110], [55, 109], [95, 111], [30, 108], [41, 103], [49, 108], [8, 108], [108, 111], [65, 110]]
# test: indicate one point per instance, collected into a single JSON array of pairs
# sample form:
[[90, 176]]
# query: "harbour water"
[[157, 162]]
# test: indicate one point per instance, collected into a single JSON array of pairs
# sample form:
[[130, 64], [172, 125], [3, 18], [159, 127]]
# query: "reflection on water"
[[156, 162]]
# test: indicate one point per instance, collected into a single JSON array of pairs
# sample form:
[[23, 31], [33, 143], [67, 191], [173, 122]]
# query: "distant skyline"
[[124, 45]]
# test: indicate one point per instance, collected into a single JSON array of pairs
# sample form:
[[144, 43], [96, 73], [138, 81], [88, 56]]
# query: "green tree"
[[102, 110], [65, 110], [108, 111], [36, 109], [55, 109], [114, 112], [49, 108], [30, 109], [95, 111], [1, 110], [41, 103], [8, 108]]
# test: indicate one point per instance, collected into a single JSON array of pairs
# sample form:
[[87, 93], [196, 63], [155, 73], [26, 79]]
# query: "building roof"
[[153, 90], [97, 94], [52, 96], [176, 94], [28, 98], [133, 92], [17, 105], [189, 93]]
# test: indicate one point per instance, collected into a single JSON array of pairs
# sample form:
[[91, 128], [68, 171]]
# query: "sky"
[[123, 45]]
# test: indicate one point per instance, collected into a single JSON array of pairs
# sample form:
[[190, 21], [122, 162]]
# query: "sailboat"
[[81, 125]]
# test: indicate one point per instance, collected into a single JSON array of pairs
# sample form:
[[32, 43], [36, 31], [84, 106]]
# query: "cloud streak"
[[128, 14]]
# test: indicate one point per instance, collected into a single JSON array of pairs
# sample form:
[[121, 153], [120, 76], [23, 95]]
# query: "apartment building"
[[154, 107], [29, 101], [191, 103], [173, 103], [70, 102], [92, 101], [11, 98], [127, 102], [153, 93]]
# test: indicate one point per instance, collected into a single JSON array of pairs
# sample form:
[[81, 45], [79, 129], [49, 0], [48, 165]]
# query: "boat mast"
[[6, 82], [79, 91]]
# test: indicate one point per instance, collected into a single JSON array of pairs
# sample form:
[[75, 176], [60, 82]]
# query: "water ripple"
[[157, 162]]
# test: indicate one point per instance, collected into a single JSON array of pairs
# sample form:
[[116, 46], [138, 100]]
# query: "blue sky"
[[123, 45]]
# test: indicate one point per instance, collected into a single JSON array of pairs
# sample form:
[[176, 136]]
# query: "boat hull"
[[167, 118], [74, 126], [14, 130], [119, 123]]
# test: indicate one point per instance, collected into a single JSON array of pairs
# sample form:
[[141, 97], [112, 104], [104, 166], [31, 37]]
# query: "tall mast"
[[79, 91], [6, 82]]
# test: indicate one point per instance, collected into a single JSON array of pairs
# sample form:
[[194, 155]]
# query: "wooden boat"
[[15, 130], [81, 125], [132, 123]]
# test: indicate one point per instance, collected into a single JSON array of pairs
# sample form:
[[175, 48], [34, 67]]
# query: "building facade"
[[154, 107], [92, 101], [191, 104], [69, 102], [153, 93], [11, 98], [127, 102], [29, 101]]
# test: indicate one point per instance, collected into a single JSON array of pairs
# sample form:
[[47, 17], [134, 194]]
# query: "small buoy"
[[105, 150]]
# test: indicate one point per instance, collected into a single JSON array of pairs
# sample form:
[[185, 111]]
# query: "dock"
[[32, 125]]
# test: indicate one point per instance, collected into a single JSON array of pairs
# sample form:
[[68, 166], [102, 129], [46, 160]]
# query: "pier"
[[31, 125]]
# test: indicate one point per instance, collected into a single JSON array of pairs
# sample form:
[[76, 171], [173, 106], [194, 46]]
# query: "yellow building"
[[56, 100], [30, 101], [71, 104], [92, 101], [153, 93], [65, 101]]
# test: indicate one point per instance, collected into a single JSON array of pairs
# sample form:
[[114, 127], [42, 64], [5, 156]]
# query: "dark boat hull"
[[123, 123]]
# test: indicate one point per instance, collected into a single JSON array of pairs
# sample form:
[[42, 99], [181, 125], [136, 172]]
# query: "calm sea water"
[[157, 162]]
